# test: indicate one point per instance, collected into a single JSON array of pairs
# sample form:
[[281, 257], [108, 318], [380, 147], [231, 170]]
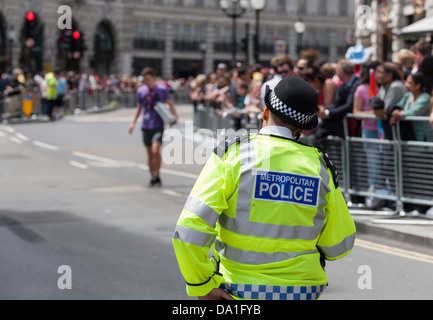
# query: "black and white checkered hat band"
[[278, 105]]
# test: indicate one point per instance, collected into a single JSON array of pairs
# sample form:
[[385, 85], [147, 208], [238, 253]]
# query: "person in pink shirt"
[[370, 130]]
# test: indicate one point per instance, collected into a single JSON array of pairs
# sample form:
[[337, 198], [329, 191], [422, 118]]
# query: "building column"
[[293, 43], [209, 54], [167, 59], [126, 63], [333, 54]]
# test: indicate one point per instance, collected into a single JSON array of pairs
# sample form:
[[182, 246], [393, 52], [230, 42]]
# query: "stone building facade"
[[377, 25], [176, 37]]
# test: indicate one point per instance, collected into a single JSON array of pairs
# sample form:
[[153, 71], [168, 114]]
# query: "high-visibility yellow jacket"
[[52, 84], [267, 206]]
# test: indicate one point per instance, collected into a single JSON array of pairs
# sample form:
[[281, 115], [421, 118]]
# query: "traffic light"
[[30, 16], [31, 39], [29, 29], [77, 44]]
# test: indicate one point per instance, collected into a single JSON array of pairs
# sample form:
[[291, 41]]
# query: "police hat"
[[295, 102]]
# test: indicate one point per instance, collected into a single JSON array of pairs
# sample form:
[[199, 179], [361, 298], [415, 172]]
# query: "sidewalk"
[[414, 229]]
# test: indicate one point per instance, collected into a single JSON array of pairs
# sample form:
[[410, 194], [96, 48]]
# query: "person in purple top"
[[152, 124]]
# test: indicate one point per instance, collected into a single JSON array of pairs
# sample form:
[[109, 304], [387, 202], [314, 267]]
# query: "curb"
[[392, 234]]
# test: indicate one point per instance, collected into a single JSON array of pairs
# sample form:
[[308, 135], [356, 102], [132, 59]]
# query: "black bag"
[[406, 129]]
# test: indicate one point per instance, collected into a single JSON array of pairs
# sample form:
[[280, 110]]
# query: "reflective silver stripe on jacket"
[[191, 236], [201, 209], [255, 257], [339, 249], [242, 225]]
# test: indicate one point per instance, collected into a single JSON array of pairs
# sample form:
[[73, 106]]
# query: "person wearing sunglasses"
[[282, 66], [302, 67]]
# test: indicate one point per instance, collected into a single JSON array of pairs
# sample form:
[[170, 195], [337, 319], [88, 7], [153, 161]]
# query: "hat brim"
[[312, 124]]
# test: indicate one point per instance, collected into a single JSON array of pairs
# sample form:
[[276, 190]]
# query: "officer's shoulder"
[[223, 147], [330, 165]]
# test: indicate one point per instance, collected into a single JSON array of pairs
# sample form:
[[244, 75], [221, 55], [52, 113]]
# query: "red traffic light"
[[76, 35], [30, 16]]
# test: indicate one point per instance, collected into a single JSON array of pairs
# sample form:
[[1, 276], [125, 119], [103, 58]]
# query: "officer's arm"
[[195, 230], [338, 235]]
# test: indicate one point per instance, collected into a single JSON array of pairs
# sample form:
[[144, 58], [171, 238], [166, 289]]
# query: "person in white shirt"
[[282, 66]]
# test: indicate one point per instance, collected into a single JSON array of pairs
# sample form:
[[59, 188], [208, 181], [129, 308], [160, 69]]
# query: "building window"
[[147, 35], [323, 10], [323, 42], [268, 36], [187, 37], [317, 40], [341, 37], [343, 7], [302, 6], [223, 39], [281, 6]]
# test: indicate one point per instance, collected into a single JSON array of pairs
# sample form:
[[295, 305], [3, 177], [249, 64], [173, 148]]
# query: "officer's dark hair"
[[280, 122]]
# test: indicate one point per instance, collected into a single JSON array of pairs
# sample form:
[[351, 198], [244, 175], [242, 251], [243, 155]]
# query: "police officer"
[[269, 207]]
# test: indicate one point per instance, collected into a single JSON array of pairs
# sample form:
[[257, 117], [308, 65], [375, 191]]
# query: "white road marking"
[[9, 129], [21, 136], [92, 157], [16, 140], [173, 193], [78, 165], [171, 172], [117, 189], [45, 145], [394, 251]]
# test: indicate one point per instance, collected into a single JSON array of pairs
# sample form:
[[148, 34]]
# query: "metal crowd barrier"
[[14, 106], [206, 116], [400, 171]]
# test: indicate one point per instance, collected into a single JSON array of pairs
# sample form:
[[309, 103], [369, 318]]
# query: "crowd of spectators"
[[79, 90], [411, 78], [387, 90]]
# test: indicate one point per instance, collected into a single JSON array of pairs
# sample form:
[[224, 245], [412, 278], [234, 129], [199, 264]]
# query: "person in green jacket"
[[416, 102], [52, 84]]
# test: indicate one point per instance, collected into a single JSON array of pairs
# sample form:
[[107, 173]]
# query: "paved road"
[[74, 192]]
